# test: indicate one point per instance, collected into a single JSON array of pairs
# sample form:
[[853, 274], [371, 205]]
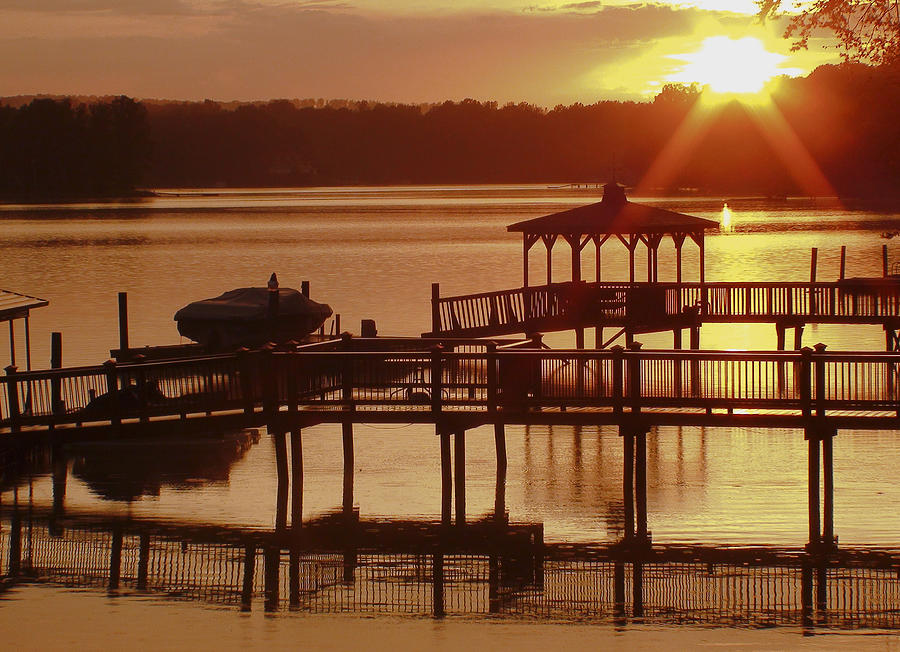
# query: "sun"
[[731, 66]]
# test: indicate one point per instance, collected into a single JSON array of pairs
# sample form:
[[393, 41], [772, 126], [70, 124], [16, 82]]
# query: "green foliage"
[[866, 30]]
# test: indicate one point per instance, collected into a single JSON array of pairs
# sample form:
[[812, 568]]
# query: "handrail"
[[573, 304], [496, 378]]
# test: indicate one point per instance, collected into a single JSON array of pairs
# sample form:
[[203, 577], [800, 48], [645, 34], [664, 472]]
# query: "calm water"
[[373, 253]]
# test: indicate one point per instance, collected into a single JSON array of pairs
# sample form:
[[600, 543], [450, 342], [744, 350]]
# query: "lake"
[[373, 253]]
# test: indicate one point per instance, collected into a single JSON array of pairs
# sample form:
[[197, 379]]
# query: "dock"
[[468, 372]]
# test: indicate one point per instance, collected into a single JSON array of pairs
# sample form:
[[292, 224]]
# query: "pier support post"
[[281, 467], [347, 440], [296, 478], [640, 485], [446, 477], [56, 403], [459, 468], [123, 324], [828, 487], [500, 492], [813, 488], [628, 481]]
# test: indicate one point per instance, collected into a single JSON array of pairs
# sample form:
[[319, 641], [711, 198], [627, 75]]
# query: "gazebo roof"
[[614, 214], [14, 305]]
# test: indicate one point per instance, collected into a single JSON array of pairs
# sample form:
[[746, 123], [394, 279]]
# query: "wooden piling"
[[347, 442], [813, 263], [640, 484], [281, 468], [123, 323], [828, 487], [628, 481], [843, 261], [500, 487], [446, 478], [296, 478], [56, 404], [813, 488], [884, 261], [459, 467]]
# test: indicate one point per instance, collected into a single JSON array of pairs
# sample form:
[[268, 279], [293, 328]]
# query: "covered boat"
[[251, 317]]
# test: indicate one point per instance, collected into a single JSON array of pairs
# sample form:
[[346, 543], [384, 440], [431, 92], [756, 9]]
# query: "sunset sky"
[[537, 51]]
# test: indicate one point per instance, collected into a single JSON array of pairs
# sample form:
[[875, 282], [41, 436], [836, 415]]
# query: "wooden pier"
[[457, 385]]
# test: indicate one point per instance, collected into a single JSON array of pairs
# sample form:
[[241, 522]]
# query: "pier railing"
[[470, 376], [570, 305]]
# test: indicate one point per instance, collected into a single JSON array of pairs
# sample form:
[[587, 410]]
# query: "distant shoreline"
[[76, 198]]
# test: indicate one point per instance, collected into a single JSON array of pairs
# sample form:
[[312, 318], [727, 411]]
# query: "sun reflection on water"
[[727, 217]]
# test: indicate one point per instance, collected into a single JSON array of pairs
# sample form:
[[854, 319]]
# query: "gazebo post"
[[702, 259], [525, 249], [597, 245], [27, 343], [631, 246], [649, 261], [12, 343], [549, 240]]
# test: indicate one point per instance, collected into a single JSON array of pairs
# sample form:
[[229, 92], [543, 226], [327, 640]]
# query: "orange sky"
[[536, 51]]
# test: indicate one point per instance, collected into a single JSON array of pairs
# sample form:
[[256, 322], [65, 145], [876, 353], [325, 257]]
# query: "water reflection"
[[340, 564], [128, 470]]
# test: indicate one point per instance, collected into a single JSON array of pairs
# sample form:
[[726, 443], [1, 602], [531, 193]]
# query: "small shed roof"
[[614, 214], [14, 305]]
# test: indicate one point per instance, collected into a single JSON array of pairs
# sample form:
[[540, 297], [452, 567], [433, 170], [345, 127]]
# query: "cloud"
[[324, 49]]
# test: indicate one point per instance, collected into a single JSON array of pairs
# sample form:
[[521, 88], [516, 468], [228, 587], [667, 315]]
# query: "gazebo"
[[614, 216], [631, 224], [18, 306]]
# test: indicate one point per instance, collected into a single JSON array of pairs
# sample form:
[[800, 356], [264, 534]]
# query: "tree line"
[[59, 149], [843, 116]]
